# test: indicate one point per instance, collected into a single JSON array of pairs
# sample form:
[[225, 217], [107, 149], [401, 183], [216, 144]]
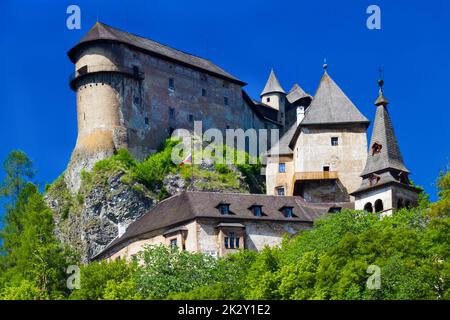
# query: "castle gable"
[[331, 106]]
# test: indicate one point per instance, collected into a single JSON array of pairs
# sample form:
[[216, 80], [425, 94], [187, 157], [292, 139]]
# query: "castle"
[[133, 93]]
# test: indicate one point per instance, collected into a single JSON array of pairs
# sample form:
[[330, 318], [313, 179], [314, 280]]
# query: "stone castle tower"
[[133, 92], [385, 184], [322, 154]]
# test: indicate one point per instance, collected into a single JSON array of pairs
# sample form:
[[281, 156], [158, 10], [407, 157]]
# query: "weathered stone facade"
[[203, 235], [321, 156], [196, 221], [132, 98]]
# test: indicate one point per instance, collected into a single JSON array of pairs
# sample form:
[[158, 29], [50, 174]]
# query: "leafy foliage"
[[411, 250], [32, 260], [107, 280]]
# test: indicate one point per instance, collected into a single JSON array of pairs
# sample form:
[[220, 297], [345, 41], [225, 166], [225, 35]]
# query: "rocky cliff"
[[119, 190]]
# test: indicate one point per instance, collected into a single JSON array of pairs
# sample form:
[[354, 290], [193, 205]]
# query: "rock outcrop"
[[108, 201]]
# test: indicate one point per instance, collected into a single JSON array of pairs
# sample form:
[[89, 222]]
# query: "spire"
[[330, 105], [384, 152], [272, 85]]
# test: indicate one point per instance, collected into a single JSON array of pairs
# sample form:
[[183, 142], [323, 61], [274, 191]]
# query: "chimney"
[[300, 114]]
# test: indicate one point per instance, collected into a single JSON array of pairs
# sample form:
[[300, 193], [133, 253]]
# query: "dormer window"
[[287, 212], [373, 179], [376, 148], [224, 209], [257, 210]]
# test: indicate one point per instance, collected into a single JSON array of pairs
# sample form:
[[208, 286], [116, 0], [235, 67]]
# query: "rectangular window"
[[334, 141], [173, 243], [280, 191], [231, 239], [326, 168], [146, 120], [203, 92], [288, 212], [171, 84], [191, 118], [282, 167], [225, 100], [171, 113], [268, 99], [226, 242], [224, 209], [257, 211]]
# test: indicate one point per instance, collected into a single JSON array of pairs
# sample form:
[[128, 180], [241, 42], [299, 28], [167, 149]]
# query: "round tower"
[[274, 96], [98, 81]]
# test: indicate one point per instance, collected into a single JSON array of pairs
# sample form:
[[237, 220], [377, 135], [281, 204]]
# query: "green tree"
[[31, 257], [108, 280], [167, 270]]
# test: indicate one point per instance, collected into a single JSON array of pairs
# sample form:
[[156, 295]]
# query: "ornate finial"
[[381, 78], [325, 65], [381, 99]]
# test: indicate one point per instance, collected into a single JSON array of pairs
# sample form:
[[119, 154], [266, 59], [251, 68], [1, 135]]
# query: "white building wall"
[[313, 151]]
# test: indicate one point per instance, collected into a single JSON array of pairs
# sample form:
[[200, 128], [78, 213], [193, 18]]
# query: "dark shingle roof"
[[383, 133], [296, 93], [330, 105], [385, 178], [190, 205], [103, 32], [272, 85]]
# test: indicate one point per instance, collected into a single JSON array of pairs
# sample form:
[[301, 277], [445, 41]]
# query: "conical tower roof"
[[272, 85], [330, 105], [384, 152]]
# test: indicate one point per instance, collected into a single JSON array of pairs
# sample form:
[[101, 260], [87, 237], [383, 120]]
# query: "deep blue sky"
[[246, 38]]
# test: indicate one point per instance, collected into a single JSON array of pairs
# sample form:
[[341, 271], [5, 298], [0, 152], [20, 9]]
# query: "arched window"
[[399, 203], [378, 205], [368, 207]]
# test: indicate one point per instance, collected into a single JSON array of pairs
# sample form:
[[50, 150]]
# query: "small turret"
[[274, 96]]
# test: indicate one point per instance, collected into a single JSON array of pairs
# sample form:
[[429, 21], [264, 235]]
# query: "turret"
[[274, 96], [385, 185], [101, 73]]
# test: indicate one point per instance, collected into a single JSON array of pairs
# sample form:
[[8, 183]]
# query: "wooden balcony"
[[316, 175]]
